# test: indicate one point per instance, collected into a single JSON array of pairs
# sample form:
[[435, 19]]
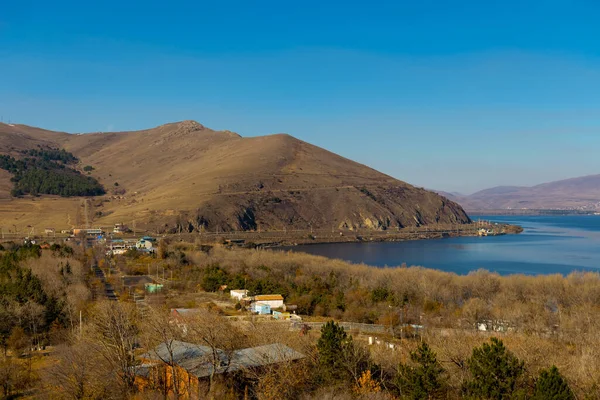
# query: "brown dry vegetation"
[[190, 177], [553, 320]]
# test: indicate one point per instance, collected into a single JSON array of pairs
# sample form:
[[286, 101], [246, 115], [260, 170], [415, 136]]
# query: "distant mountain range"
[[581, 193], [186, 177]]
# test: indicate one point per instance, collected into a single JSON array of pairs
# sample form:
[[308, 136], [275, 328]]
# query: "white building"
[[238, 294], [145, 244], [273, 300]]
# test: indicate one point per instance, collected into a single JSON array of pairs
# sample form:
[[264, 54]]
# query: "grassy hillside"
[[186, 176]]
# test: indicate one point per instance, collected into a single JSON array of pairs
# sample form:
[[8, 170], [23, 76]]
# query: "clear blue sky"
[[456, 96]]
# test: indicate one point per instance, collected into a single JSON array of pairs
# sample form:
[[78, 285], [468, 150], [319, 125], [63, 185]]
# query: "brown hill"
[[184, 175], [581, 193]]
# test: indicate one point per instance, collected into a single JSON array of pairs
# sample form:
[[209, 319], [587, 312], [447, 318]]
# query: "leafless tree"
[[114, 329], [209, 329], [157, 329], [79, 373]]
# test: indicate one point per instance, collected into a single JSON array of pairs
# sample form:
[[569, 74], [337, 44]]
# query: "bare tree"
[[114, 329], [79, 373], [216, 333], [158, 329], [285, 380], [355, 359]]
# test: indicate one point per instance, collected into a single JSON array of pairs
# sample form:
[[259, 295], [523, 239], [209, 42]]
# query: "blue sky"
[[457, 96]]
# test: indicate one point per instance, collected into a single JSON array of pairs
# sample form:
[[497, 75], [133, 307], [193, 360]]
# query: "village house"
[[191, 364], [146, 244], [273, 300], [260, 308], [88, 231], [117, 247]]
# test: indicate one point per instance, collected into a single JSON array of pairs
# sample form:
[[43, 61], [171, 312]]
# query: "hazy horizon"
[[444, 97]]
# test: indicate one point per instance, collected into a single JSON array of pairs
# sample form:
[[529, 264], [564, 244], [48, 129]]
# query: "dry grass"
[[176, 172]]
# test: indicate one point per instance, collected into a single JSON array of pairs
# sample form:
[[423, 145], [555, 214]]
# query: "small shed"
[[260, 308], [153, 287], [283, 316]]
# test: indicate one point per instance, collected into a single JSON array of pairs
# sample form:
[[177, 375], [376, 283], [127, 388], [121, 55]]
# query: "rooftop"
[[196, 358], [267, 297]]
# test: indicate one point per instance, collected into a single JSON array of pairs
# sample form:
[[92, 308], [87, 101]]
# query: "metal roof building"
[[197, 359]]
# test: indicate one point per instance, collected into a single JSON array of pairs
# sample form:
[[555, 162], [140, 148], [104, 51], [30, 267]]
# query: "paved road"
[[109, 291]]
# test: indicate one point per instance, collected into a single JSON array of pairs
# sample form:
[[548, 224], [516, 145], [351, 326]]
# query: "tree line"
[[50, 154]]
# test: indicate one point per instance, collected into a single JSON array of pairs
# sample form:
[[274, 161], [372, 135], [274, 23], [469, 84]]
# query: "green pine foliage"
[[551, 385], [47, 171], [332, 346], [496, 372], [424, 379], [19, 286], [51, 155]]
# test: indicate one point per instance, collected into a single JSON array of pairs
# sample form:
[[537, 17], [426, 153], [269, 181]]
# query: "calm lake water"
[[549, 244]]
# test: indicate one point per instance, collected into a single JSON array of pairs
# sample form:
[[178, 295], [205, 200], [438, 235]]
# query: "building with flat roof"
[[273, 300]]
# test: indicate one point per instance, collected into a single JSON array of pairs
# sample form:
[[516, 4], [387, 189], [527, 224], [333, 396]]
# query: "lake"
[[548, 245]]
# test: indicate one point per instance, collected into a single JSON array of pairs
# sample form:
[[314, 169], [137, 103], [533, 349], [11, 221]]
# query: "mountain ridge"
[[185, 176], [578, 193]]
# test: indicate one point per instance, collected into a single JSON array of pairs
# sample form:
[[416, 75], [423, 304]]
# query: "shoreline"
[[290, 240]]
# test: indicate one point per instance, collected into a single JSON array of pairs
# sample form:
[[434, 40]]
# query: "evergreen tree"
[[551, 385], [425, 380], [495, 371], [47, 172], [331, 345]]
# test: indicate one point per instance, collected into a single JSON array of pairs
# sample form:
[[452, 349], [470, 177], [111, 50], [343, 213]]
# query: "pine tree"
[[331, 345], [551, 385], [425, 380], [495, 371]]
